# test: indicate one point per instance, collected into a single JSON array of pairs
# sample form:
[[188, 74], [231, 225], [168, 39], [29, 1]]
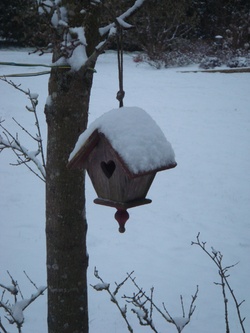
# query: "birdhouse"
[[122, 151]]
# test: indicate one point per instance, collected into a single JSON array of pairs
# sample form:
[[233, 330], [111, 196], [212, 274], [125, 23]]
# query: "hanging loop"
[[119, 37]]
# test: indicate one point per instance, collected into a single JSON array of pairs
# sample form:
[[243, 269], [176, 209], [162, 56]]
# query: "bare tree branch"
[[14, 312], [217, 257], [24, 156], [2, 327], [179, 322], [105, 286], [143, 305]]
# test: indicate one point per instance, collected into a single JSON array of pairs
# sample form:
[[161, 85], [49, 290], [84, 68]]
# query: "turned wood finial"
[[121, 217]]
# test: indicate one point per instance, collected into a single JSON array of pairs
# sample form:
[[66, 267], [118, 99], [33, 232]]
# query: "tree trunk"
[[66, 226]]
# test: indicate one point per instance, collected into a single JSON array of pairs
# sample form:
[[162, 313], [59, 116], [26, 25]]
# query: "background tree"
[[157, 26], [18, 21], [229, 19], [161, 24]]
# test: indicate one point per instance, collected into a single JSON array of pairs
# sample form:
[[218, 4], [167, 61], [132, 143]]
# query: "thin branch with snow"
[[140, 302], [110, 28], [141, 299], [106, 286], [15, 312], [181, 322], [217, 257], [143, 305], [23, 154]]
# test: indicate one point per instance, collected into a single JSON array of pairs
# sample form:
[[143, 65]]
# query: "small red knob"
[[121, 217]]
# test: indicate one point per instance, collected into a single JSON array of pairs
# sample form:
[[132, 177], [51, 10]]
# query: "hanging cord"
[[121, 93]]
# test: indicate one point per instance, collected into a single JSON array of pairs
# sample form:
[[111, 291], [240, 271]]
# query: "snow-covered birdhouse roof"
[[133, 135]]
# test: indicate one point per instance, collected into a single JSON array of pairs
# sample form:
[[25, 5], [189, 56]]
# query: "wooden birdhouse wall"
[[110, 177]]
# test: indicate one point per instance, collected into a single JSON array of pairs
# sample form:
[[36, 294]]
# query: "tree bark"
[[66, 225]]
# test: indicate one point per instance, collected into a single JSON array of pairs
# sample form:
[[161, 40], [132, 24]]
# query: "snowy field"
[[206, 117]]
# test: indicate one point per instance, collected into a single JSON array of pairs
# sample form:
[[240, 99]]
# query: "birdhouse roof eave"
[[80, 158]]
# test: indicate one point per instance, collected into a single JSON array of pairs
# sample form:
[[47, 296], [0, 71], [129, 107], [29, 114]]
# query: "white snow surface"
[[101, 286], [180, 322], [79, 56], [207, 119], [135, 136]]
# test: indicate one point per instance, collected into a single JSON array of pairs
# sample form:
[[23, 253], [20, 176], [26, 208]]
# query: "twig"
[[24, 129], [225, 302], [2, 327], [16, 286], [182, 306], [30, 280], [118, 286], [11, 290]]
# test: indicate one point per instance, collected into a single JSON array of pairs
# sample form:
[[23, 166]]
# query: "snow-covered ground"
[[207, 120]]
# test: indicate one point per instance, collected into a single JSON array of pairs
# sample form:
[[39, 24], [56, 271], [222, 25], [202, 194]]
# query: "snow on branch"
[[143, 305], [132, 10], [15, 311], [217, 257], [106, 286], [73, 43], [108, 31], [70, 41], [23, 154], [121, 19], [123, 24]]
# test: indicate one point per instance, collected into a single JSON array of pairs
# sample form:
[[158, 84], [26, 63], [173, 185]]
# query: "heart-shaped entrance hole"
[[108, 168]]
